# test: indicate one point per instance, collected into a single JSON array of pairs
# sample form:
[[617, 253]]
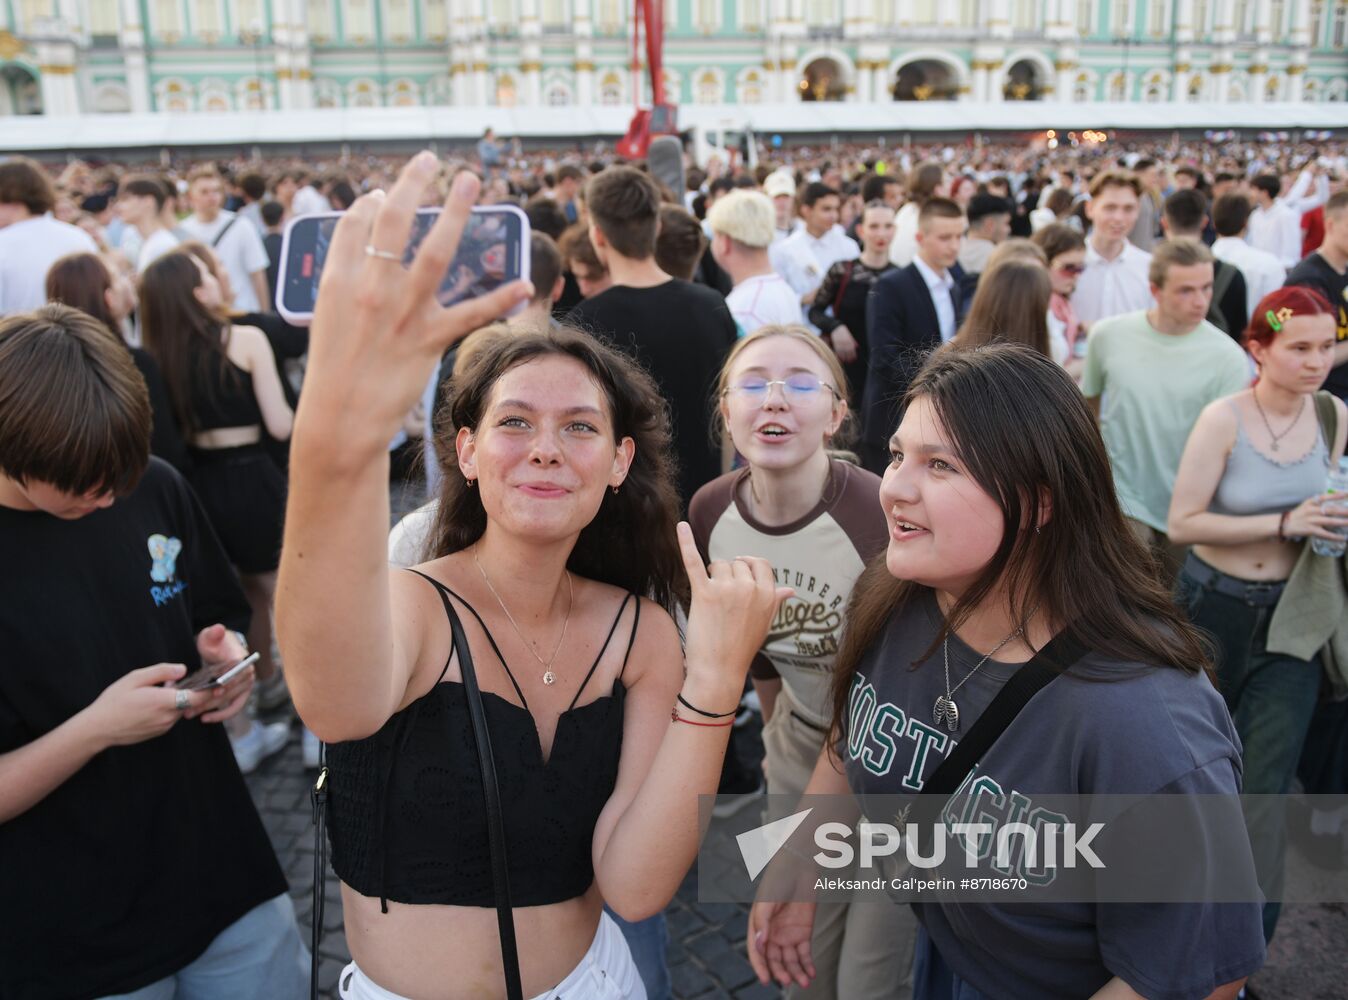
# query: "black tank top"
[[406, 813], [222, 393]]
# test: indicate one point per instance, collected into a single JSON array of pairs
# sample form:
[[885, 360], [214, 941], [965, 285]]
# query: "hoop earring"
[[470, 482], [615, 490]]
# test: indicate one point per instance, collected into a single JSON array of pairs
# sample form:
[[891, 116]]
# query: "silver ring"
[[181, 700], [372, 251]]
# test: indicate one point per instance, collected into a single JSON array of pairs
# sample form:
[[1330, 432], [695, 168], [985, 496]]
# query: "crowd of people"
[[916, 406]]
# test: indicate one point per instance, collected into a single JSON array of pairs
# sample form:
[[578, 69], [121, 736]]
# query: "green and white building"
[[68, 57]]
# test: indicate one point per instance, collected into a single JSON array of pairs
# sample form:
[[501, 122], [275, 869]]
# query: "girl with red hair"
[[1248, 493]]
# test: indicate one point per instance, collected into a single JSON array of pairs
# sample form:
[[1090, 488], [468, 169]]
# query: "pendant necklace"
[[548, 676], [945, 710], [1295, 420]]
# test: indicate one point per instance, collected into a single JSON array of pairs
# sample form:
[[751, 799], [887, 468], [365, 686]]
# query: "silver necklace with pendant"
[[548, 676], [946, 711], [1275, 438]]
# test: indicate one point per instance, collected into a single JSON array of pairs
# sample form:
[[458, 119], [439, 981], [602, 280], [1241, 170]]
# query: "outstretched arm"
[[378, 333]]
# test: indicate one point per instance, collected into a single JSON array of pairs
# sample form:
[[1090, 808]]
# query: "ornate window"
[[1340, 26], [1159, 16], [31, 11], [611, 88], [709, 89], [507, 95], [208, 24], [167, 20], [399, 21], [1085, 17], [103, 17], [821, 12], [750, 87], [358, 20], [320, 21], [1118, 87], [559, 95], [611, 16], [1083, 89], [1122, 11], [554, 14], [1025, 15], [251, 16], [435, 19], [362, 94]]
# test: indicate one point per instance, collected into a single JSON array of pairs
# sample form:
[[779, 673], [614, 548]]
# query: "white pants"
[[605, 972]]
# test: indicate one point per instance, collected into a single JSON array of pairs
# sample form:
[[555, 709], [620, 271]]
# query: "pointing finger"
[[692, 559]]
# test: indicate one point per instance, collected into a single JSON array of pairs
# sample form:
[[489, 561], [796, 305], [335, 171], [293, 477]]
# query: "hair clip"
[[1273, 323], [1284, 314]]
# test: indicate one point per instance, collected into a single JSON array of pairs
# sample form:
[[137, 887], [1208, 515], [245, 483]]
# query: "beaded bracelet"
[[1282, 527]]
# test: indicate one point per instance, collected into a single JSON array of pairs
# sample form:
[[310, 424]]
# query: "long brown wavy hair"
[[1011, 304], [631, 541], [1026, 436], [181, 333]]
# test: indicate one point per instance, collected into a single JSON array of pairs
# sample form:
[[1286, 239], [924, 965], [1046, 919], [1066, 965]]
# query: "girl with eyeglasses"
[[816, 518], [1065, 249]]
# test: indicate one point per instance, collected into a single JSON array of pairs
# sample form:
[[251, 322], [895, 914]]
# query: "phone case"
[[305, 318]]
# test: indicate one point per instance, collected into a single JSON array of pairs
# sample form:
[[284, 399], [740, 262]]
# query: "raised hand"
[[733, 604], [378, 331]]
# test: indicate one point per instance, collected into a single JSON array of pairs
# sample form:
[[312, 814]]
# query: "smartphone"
[[493, 251], [214, 676]]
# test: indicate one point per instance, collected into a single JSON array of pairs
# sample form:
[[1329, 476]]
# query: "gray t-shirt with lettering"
[[1153, 730]]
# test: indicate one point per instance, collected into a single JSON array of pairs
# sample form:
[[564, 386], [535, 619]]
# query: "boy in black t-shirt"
[[134, 856], [680, 332], [1326, 270]]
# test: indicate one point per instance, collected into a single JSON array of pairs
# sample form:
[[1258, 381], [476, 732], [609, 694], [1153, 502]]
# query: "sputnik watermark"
[[1063, 845]]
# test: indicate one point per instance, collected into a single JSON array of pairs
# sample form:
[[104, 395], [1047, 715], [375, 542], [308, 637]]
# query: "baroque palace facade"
[[77, 56]]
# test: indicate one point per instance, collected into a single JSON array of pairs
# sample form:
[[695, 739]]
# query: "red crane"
[[661, 118]]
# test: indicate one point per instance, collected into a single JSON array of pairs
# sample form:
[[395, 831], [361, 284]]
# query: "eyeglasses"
[[801, 388], [1072, 269]]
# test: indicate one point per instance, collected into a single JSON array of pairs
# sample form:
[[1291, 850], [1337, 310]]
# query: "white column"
[[1263, 21], [133, 56], [980, 80], [1184, 21], [905, 13], [60, 95], [1221, 77], [1224, 25], [1301, 23], [583, 28], [999, 19], [1066, 66], [69, 13], [1180, 75], [531, 54]]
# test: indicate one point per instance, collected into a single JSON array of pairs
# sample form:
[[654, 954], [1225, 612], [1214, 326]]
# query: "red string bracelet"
[[674, 716]]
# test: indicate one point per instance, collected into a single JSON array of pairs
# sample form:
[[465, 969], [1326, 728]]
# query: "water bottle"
[[1336, 483]]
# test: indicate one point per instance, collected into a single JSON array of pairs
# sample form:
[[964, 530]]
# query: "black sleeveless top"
[[406, 812], [222, 393]]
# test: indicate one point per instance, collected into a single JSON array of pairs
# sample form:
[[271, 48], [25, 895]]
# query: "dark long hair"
[[1026, 436], [631, 542], [181, 333], [82, 281], [1011, 305]]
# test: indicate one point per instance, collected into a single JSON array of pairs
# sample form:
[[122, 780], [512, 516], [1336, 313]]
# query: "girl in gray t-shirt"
[[1004, 532]]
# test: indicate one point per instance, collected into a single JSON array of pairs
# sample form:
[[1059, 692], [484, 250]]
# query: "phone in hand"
[[493, 251], [215, 675]]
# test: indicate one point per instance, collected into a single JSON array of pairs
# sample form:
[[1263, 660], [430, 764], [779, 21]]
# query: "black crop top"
[[222, 393], [406, 813]]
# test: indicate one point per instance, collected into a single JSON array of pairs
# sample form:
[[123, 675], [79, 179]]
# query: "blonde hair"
[[1180, 252], [1016, 248], [802, 335], [747, 217]]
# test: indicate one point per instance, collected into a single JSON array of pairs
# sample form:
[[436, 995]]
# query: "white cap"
[[779, 183]]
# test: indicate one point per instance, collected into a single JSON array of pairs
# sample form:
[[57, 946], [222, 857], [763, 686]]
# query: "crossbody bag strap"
[[1054, 659], [319, 797], [1328, 415], [500, 871], [221, 235]]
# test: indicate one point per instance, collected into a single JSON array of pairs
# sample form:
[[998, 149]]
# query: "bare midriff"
[[434, 952], [1265, 561], [227, 437]]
